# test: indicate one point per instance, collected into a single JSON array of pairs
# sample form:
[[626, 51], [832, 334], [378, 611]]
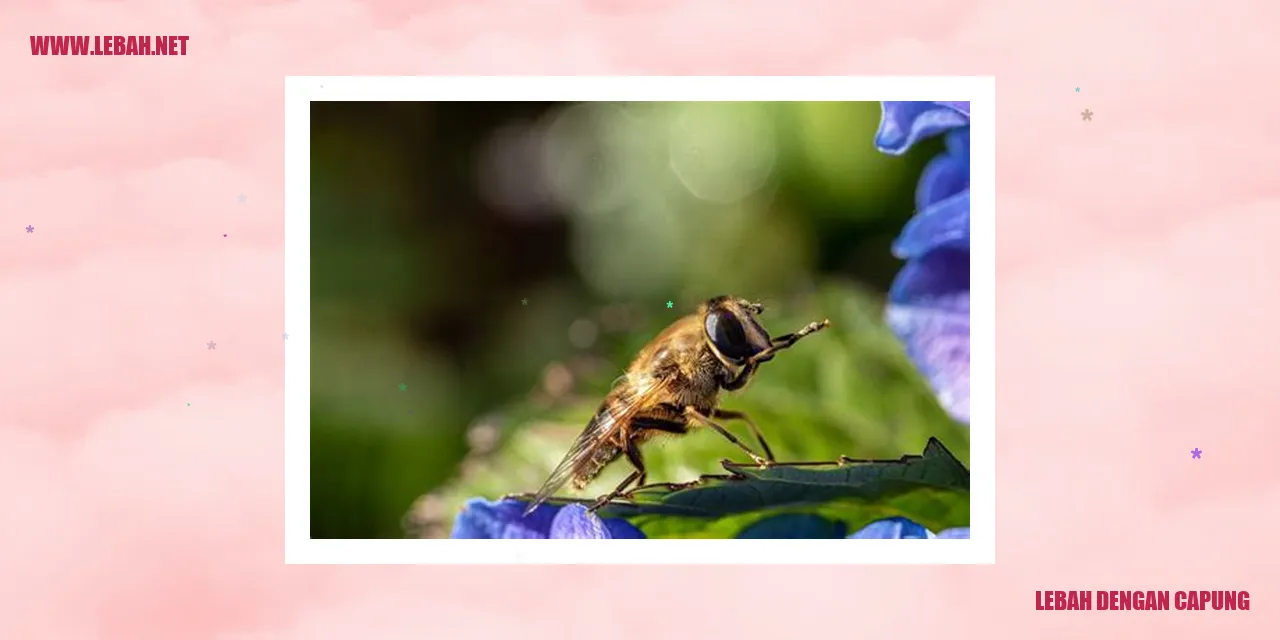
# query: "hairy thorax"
[[701, 388]]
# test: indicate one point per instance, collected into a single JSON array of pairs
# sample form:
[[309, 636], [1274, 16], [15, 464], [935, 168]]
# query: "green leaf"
[[932, 489]]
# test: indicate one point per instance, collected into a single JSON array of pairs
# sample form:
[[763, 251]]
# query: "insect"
[[672, 386]]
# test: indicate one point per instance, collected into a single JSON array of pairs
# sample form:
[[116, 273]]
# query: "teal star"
[[403, 386], [669, 305], [1077, 89]]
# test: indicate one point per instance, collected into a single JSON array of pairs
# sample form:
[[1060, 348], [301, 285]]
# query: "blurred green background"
[[481, 272]]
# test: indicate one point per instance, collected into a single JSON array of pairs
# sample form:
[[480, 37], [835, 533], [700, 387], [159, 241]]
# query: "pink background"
[[1135, 319]]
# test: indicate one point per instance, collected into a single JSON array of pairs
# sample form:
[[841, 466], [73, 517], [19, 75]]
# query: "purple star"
[[212, 345], [1195, 453], [31, 229]]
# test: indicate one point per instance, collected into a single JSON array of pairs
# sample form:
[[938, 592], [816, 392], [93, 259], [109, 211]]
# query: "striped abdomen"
[[591, 467]]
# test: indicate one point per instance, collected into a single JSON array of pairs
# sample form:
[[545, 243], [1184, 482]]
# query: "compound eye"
[[726, 333]]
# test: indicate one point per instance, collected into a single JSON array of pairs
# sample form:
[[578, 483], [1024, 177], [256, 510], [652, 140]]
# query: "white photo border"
[[301, 91]]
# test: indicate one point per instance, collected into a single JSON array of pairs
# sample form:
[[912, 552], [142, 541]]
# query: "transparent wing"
[[612, 416]]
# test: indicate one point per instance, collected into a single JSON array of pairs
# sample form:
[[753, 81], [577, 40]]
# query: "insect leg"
[[751, 424], [838, 462], [697, 416], [785, 341], [739, 381], [669, 486], [633, 456], [608, 497], [638, 476]]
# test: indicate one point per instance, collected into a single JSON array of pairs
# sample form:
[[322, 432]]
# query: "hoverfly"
[[674, 385]]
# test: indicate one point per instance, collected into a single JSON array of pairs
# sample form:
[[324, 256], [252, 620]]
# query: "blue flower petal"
[[944, 177], [938, 343], [574, 521], [947, 174], [790, 526], [958, 143], [892, 528], [620, 529], [482, 519], [902, 124], [929, 312], [961, 106], [929, 301], [955, 534], [935, 281], [942, 225]]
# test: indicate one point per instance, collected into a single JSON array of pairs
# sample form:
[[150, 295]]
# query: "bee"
[[671, 387]]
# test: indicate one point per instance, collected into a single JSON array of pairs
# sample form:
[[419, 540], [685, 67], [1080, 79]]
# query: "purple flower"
[[929, 301], [903, 124], [482, 519], [897, 527]]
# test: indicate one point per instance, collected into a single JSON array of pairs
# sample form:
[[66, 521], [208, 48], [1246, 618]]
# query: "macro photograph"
[[639, 320]]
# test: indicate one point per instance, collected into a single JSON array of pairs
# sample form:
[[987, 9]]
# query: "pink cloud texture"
[[1134, 320]]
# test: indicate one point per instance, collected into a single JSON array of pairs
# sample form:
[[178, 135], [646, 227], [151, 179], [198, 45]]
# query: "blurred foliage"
[[504, 261]]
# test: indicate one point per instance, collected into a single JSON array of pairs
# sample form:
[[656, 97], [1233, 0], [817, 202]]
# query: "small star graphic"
[[212, 345], [240, 198], [1077, 89], [286, 336], [31, 229], [403, 386], [1087, 115], [1195, 453], [669, 304], [524, 301]]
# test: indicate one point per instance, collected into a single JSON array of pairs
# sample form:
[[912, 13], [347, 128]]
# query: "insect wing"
[[611, 417]]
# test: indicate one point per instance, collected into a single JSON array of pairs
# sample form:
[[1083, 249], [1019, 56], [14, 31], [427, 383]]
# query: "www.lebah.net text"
[[109, 45]]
